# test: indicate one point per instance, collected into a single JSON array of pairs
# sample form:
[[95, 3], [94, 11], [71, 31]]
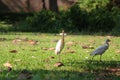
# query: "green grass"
[[77, 66], [4, 26]]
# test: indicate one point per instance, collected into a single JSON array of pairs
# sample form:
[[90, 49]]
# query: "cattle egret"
[[101, 49], [60, 45]]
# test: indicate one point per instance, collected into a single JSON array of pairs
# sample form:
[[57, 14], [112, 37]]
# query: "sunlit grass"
[[77, 65]]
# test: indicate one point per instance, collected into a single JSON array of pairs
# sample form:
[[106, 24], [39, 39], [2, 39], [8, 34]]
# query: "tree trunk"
[[53, 6], [28, 6], [44, 7]]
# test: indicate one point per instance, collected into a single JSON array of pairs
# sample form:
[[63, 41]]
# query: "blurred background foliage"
[[89, 16]]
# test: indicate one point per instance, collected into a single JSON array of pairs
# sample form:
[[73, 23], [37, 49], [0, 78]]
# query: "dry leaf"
[[52, 57], [32, 42], [13, 51], [58, 64], [70, 43], [9, 69], [113, 69], [87, 47], [25, 75], [44, 48], [68, 48], [117, 51], [102, 74], [46, 60], [91, 47], [91, 41], [7, 65], [15, 41], [51, 49], [84, 47], [100, 78], [71, 51], [117, 73], [2, 39], [48, 48]]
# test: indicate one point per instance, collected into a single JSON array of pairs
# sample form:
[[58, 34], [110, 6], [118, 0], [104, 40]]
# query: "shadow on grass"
[[96, 64], [111, 63], [91, 71], [106, 68], [57, 75], [49, 75]]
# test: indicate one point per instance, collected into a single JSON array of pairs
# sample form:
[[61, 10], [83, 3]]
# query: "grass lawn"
[[36, 62]]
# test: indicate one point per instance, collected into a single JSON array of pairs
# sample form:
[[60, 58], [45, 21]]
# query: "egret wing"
[[58, 47], [99, 50]]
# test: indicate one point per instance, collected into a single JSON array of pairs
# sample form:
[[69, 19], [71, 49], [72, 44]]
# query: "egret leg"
[[100, 57], [59, 57], [93, 57]]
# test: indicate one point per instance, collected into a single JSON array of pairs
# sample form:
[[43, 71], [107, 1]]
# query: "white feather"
[[58, 47], [62, 34]]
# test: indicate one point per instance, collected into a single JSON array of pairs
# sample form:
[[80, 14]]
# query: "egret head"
[[107, 40], [62, 31]]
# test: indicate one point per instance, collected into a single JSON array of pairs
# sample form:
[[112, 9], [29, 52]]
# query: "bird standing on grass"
[[60, 45], [101, 49]]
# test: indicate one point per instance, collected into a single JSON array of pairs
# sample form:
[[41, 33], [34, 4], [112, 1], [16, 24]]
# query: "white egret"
[[60, 45]]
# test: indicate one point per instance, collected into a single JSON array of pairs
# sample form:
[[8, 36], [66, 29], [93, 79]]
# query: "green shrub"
[[47, 21], [42, 21], [75, 19], [72, 20], [116, 18], [12, 17], [22, 26], [4, 26], [63, 21], [89, 5], [78, 17], [100, 20]]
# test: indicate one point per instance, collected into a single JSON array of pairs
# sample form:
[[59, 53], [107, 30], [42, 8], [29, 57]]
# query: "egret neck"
[[107, 42], [62, 37]]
